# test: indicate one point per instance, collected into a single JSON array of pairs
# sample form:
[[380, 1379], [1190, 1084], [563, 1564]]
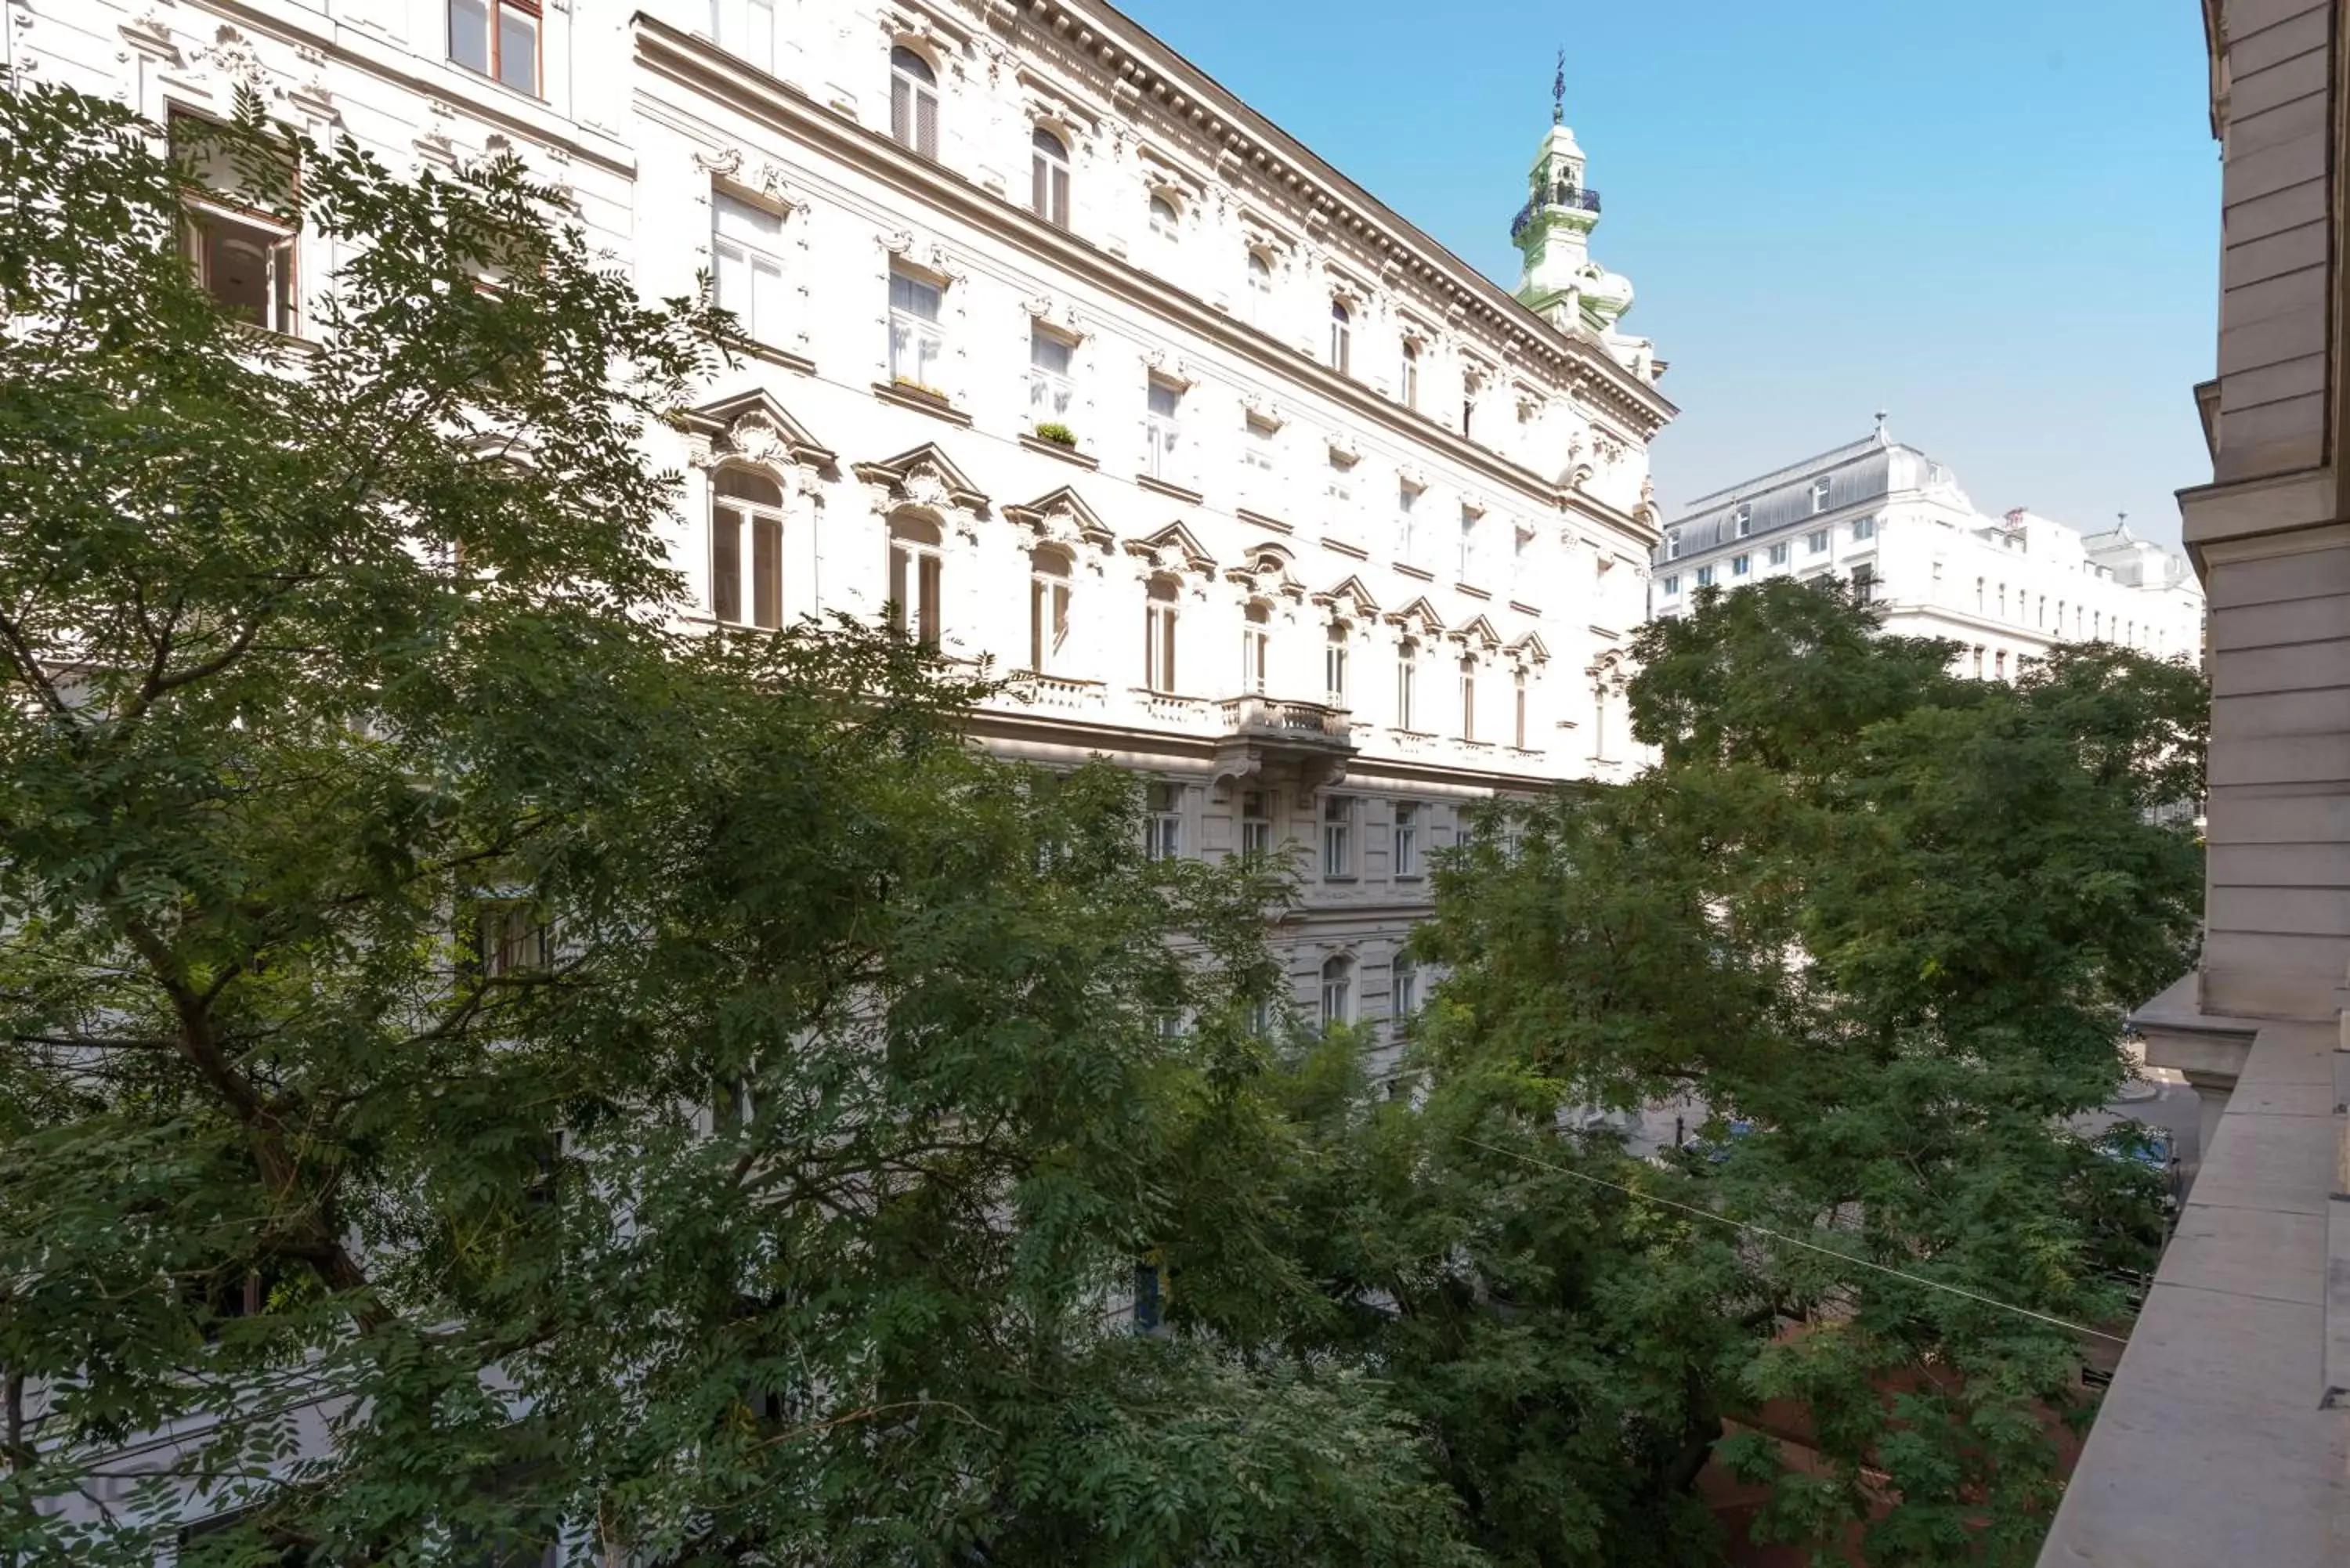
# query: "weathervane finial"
[[1558, 92]]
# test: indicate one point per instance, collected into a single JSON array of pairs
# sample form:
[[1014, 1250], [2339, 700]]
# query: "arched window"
[[1257, 649], [1469, 697], [1049, 186], [915, 578], [1158, 616], [1338, 991], [746, 537], [1407, 379], [1164, 219], [1048, 607], [913, 102], [1403, 1002], [1407, 682], [1260, 288], [1342, 338], [1518, 718], [1334, 664]]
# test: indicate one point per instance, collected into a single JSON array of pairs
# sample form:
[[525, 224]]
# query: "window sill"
[[1169, 487], [1262, 520], [1414, 572], [1055, 448], [767, 353], [921, 402]]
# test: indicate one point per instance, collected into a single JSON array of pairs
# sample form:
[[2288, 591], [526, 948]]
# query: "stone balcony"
[[1309, 742]]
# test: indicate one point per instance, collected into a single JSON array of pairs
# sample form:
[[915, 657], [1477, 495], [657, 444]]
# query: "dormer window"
[[1049, 185], [1741, 521], [1819, 496], [1673, 545], [913, 103]]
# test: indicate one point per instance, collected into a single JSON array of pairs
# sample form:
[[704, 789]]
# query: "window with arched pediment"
[[917, 578], [1048, 161], [1256, 648], [913, 103], [1050, 581], [1160, 612], [1338, 991], [1259, 295], [1334, 661], [1407, 682], [746, 548]]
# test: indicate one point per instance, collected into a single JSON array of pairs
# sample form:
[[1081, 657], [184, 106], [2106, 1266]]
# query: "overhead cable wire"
[[1754, 1230]]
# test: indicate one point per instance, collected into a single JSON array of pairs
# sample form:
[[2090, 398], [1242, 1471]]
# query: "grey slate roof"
[[1857, 473]]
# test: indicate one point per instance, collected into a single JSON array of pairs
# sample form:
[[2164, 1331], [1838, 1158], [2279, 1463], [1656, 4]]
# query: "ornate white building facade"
[[1069, 360], [1880, 513]]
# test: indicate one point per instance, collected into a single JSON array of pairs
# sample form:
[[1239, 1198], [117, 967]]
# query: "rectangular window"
[[1819, 496], [241, 253], [1407, 685], [1257, 823], [1051, 390], [1741, 565], [916, 579], [1340, 487], [746, 243], [1816, 544], [508, 937], [916, 343], [1705, 576], [1742, 520], [1469, 562], [1407, 838], [1163, 821], [747, 29], [1864, 528], [1159, 618], [1164, 431], [1407, 504], [1672, 584], [1673, 545], [1863, 582], [1334, 666], [1337, 836], [496, 38], [1256, 449], [1518, 727]]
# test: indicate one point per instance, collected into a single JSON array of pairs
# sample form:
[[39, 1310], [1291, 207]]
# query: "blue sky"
[[1997, 219]]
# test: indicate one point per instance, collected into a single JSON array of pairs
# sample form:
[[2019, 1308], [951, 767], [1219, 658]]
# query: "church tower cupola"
[[1553, 232]]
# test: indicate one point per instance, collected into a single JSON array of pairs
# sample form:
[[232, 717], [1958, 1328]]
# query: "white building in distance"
[[1885, 516], [1070, 361]]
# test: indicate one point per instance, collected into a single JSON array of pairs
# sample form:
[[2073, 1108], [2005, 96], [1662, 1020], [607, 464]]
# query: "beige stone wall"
[[2275, 276], [2274, 560]]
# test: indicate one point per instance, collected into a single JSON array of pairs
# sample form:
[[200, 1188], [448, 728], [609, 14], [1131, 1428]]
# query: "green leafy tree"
[[1878, 925], [477, 1061]]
